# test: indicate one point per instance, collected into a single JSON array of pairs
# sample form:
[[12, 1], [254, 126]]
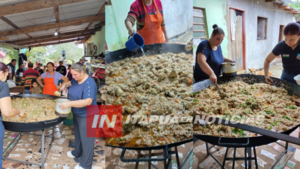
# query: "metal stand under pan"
[[247, 154], [166, 153], [16, 140]]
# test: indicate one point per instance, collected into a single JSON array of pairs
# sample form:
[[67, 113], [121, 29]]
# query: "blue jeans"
[[1, 139], [287, 76], [26, 91]]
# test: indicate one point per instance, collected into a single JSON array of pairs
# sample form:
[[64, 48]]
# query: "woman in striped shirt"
[[148, 14]]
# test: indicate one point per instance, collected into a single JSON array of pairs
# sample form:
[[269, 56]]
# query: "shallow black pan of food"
[[153, 49], [32, 126], [270, 136]]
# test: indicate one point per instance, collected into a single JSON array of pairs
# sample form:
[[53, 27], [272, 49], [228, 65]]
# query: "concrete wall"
[[177, 15], [257, 50], [215, 12], [99, 40], [116, 33]]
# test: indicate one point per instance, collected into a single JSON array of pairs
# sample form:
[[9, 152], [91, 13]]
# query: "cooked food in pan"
[[152, 85], [276, 109], [35, 110]]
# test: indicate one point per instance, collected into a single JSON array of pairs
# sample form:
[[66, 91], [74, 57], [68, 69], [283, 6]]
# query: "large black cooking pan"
[[292, 89], [149, 50], [32, 126]]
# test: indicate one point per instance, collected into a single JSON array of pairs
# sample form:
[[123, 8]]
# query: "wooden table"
[[17, 89]]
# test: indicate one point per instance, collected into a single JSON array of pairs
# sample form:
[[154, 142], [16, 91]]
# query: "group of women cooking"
[[209, 55], [82, 92]]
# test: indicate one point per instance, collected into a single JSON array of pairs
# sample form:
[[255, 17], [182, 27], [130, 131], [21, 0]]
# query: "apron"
[[152, 30], [49, 87]]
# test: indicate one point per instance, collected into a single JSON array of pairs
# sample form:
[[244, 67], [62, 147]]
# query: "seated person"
[[20, 70], [36, 89]]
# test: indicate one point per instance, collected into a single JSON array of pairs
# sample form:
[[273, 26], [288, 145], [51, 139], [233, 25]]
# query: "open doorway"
[[281, 27], [237, 38]]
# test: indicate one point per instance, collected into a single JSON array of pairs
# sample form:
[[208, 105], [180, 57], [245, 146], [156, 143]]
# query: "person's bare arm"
[[76, 103], [81, 103], [65, 79], [7, 109], [129, 26], [165, 33], [39, 80], [201, 60], [268, 60], [10, 76]]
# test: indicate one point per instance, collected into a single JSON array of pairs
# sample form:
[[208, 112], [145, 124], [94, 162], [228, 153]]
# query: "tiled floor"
[[29, 149]]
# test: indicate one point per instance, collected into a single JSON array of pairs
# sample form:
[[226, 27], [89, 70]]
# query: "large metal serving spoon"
[[222, 94]]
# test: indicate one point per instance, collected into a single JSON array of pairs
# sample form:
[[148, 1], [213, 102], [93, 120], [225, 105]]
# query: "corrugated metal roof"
[[11, 2], [17, 37], [73, 28], [46, 16], [42, 33]]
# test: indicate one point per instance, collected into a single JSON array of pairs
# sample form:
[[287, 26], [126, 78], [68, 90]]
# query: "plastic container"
[[68, 122], [297, 79], [135, 42], [63, 113]]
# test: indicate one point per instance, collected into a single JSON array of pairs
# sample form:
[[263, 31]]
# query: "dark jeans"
[[288, 76]]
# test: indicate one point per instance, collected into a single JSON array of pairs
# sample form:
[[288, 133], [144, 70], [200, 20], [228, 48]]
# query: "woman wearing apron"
[[150, 23], [209, 57], [289, 49], [51, 79], [5, 104]]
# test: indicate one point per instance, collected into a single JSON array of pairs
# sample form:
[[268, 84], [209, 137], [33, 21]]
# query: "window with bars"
[[199, 30]]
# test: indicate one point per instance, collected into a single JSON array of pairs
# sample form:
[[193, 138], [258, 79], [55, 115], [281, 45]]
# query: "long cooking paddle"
[[253, 129]]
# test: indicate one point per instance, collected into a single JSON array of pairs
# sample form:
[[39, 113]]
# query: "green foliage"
[[53, 53], [9, 55], [296, 5]]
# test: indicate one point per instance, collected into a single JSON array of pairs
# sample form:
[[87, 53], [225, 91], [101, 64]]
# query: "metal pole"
[[43, 145], [234, 149]]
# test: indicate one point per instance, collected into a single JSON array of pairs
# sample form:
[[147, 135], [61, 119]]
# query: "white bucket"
[[297, 79]]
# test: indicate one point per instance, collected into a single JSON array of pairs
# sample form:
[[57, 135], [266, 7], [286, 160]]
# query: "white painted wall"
[[257, 50], [178, 15]]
